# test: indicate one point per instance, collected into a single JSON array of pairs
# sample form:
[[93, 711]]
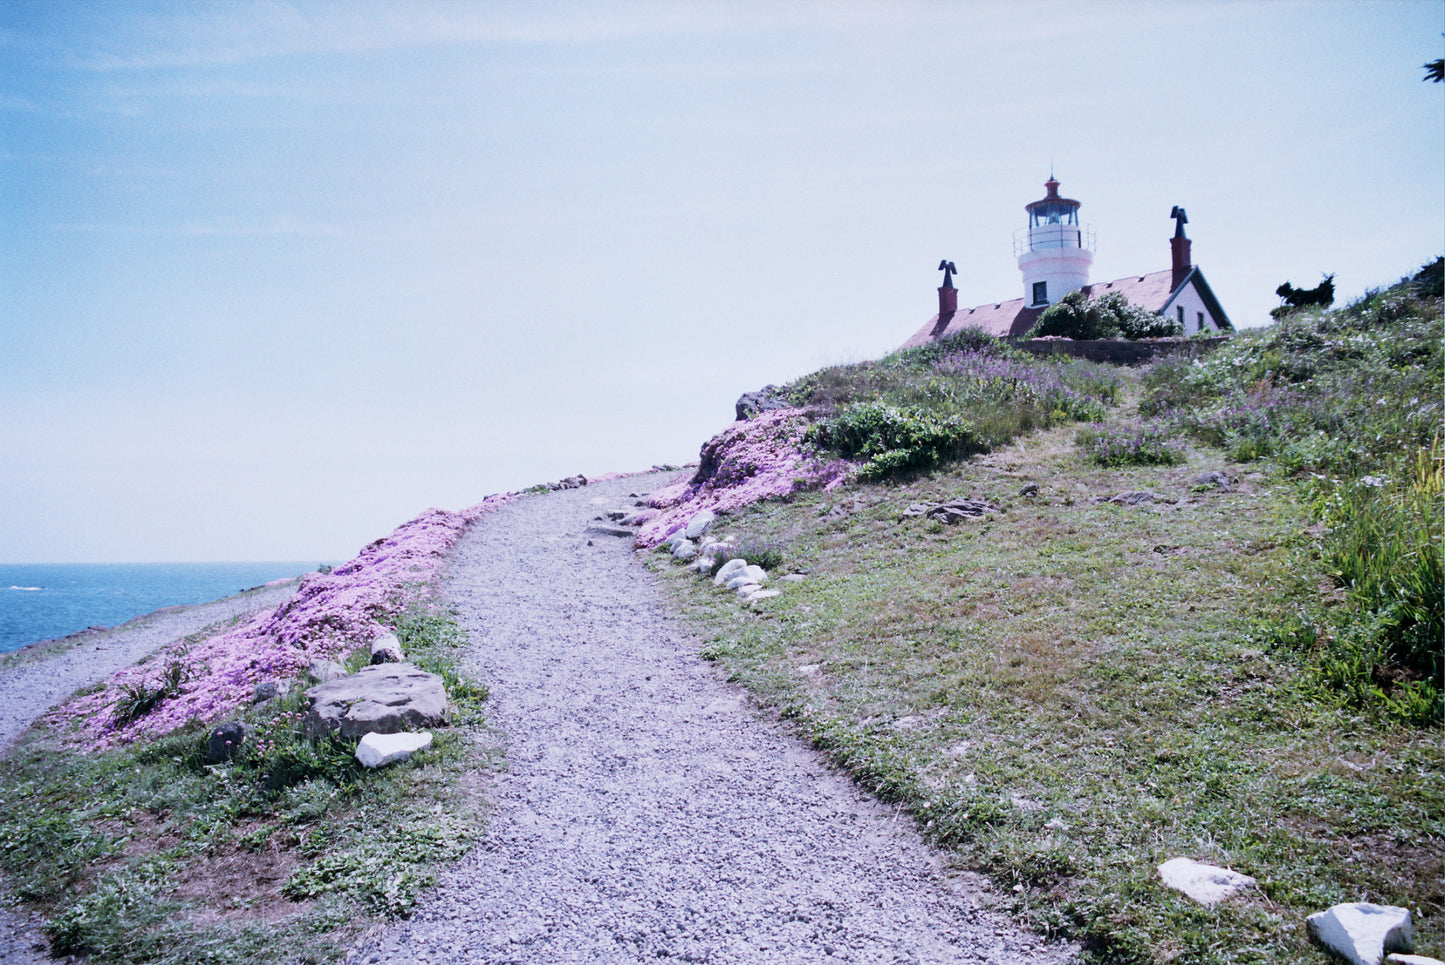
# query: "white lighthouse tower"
[[1054, 250]]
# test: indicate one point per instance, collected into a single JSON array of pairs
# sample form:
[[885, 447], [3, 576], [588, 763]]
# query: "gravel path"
[[645, 812]]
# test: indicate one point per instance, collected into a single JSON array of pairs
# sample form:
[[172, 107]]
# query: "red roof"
[[1013, 318]]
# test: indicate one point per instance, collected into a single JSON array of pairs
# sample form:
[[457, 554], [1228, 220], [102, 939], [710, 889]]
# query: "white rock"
[[761, 594], [702, 565], [1399, 958], [757, 573], [386, 649], [684, 550], [729, 569], [378, 750], [746, 588], [699, 523], [1205, 883], [1361, 933], [676, 539], [741, 578], [794, 578]]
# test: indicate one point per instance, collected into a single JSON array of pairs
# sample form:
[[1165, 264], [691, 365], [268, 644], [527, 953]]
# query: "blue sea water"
[[47, 601]]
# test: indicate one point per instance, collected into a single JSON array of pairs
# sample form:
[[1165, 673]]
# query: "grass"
[[148, 853], [1069, 692]]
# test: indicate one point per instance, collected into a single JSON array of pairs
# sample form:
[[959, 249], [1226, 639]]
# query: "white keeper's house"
[[1055, 252]]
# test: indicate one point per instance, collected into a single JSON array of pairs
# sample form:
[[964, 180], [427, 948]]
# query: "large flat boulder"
[[387, 698]]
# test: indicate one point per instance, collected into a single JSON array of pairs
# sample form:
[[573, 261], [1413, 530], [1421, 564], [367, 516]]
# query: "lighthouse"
[[1054, 250]]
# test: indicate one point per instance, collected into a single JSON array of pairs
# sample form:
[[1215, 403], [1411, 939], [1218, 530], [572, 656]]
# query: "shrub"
[[1076, 315], [1149, 445], [894, 439]]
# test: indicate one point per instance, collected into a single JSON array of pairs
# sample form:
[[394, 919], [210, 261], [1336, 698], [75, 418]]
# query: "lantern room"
[[1054, 250]]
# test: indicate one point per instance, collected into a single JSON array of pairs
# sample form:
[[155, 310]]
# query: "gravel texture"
[[645, 812], [36, 678]]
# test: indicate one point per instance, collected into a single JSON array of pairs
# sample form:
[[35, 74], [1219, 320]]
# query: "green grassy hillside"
[[1076, 687]]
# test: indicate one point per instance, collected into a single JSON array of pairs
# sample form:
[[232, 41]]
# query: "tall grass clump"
[[1385, 549]]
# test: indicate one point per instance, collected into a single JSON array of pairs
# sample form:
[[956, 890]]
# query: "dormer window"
[[1041, 293]]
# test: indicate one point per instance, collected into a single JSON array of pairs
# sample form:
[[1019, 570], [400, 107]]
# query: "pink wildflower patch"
[[746, 462], [330, 614]]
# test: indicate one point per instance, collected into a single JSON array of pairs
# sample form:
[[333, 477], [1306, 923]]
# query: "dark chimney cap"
[[1180, 220], [948, 270]]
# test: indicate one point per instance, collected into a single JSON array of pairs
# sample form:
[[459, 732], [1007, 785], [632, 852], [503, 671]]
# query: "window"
[[1180, 310], [1041, 293], [1201, 320]]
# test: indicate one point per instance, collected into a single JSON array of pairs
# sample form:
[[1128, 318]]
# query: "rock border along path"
[[644, 812]]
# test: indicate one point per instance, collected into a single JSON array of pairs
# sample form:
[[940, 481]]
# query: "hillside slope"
[[1126, 659]]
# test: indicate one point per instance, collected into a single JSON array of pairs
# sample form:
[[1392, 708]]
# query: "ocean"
[[47, 601]]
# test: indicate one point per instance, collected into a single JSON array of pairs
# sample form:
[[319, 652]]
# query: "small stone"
[[729, 569], [793, 578], [1215, 479], [378, 750], [1028, 489], [386, 649], [270, 690], [1205, 883], [700, 523], [324, 670], [609, 529], [761, 594], [1361, 933], [225, 742], [1135, 498], [684, 551], [1400, 958]]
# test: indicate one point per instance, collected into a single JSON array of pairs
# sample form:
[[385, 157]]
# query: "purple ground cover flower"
[[748, 461], [330, 614]]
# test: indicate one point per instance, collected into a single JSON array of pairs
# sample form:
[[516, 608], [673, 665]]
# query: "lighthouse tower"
[[1054, 250]]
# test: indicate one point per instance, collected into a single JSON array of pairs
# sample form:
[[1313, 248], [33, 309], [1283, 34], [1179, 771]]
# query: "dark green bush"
[[894, 439], [1076, 315]]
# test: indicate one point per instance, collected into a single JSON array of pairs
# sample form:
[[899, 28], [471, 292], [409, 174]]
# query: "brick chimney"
[[1179, 247], [947, 294], [947, 300]]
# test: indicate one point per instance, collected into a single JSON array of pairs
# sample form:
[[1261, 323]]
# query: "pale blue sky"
[[274, 277]]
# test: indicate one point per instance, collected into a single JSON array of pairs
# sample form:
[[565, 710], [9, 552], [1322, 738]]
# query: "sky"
[[275, 277]]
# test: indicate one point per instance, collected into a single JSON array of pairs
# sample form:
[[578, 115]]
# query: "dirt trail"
[[645, 813]]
